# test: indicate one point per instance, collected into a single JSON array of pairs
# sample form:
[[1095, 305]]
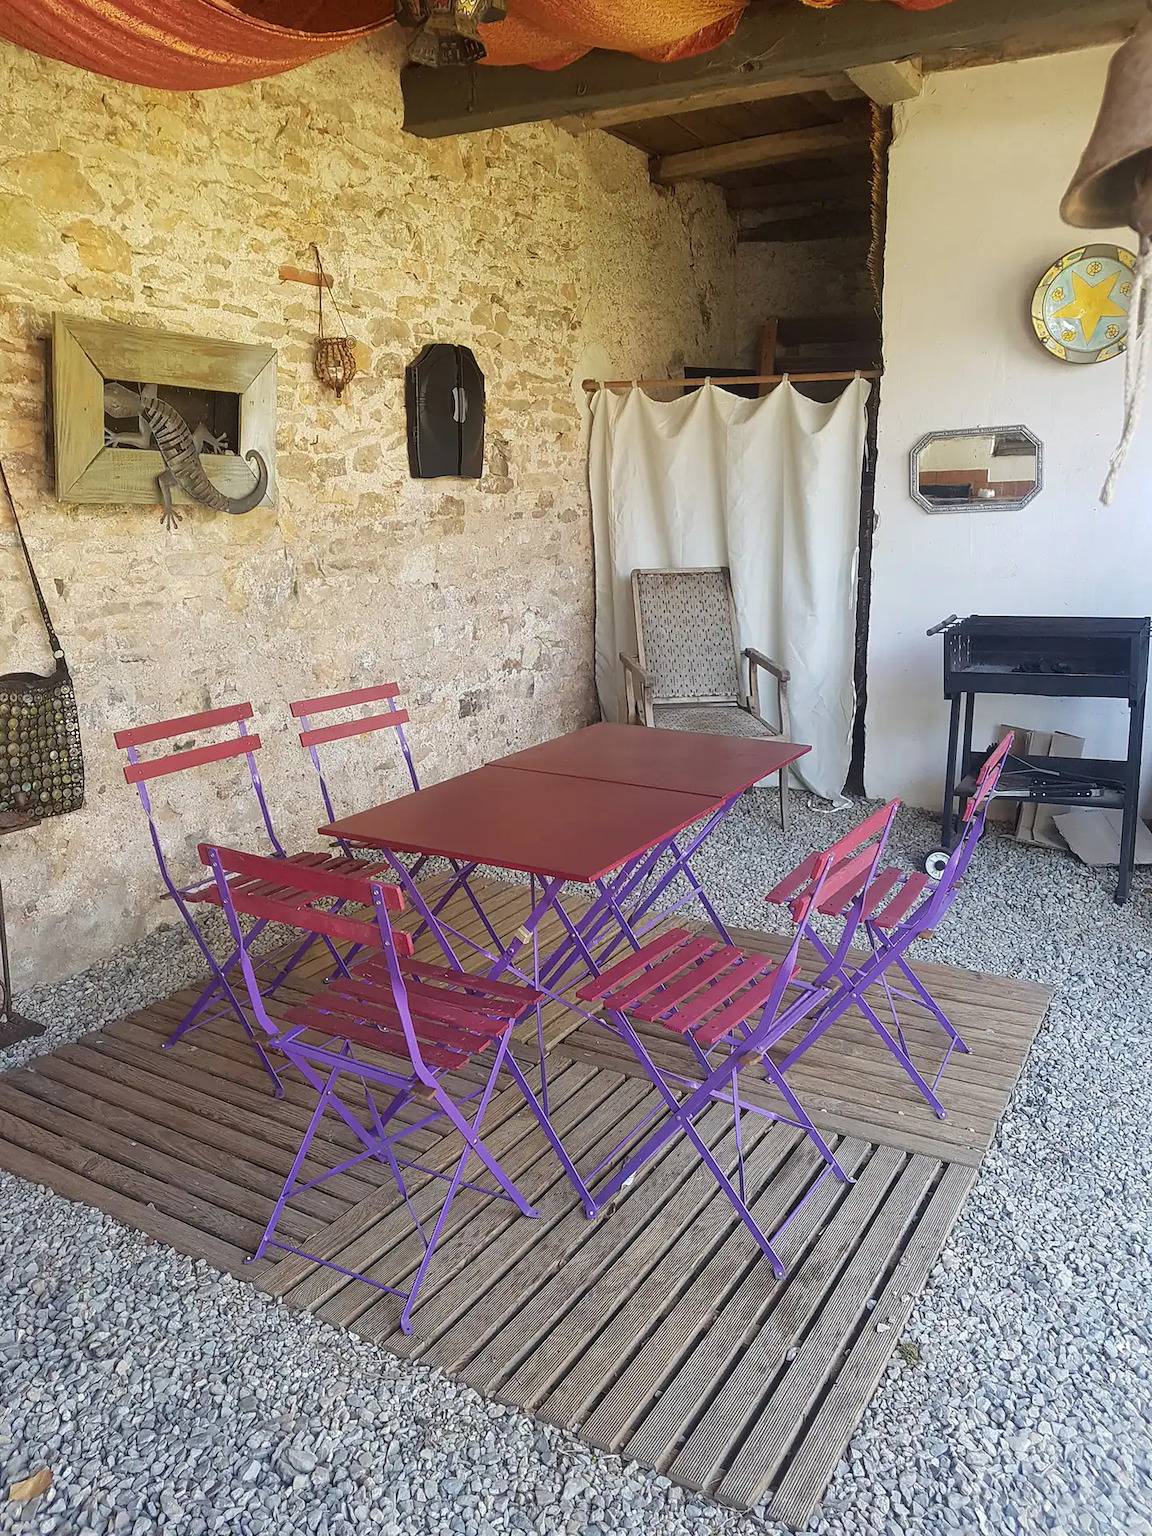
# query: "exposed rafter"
[[772, 43], [886, 84], [784, 194], [767, 149], [704, 100]]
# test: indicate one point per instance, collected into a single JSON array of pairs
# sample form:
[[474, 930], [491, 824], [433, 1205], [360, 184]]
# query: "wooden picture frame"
[[87, 353]]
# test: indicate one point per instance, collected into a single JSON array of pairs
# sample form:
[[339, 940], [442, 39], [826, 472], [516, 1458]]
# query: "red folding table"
[[602, 807]]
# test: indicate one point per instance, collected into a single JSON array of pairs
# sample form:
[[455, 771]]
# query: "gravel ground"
[[167, 1398]]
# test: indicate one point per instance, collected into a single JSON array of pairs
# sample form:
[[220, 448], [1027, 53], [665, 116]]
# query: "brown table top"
[[548, 824], [689, 761]]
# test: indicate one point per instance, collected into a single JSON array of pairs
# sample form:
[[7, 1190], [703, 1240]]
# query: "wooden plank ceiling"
[[780, 116]]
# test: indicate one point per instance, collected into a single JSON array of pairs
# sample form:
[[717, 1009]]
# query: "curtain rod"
[[592, 385]]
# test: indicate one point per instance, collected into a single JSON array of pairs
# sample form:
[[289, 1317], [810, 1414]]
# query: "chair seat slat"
[[686, 1018], [903, 903], [696, 975], [665, 970], [593, 990]]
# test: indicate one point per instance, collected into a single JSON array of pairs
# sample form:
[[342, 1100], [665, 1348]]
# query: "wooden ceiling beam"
[[785, 194], [739, 94], [771, 43], [886, 84], [827, 224], [747, 154]]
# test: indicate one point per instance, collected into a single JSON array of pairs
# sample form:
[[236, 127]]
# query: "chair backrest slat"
[[191, 757], [182, 725], [686, 635], [362, 727], [140, 772], [330, 701], [314, 736]]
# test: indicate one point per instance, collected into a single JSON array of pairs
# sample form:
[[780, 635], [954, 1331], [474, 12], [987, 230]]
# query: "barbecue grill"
[[1061, 658]]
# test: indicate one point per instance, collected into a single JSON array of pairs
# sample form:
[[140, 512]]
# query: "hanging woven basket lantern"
[[334, 362], [334, 358]]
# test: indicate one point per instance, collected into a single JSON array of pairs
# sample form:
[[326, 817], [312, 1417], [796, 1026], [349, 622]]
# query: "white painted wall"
[[978, 168]]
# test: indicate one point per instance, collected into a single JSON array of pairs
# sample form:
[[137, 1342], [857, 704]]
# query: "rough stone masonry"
[[550, 255]]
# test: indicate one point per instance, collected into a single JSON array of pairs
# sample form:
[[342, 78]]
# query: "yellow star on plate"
[[1091, 303]]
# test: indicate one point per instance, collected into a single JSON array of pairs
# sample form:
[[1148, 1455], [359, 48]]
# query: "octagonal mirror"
[[977, 469]]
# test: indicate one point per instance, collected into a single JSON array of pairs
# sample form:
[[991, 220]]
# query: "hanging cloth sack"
[[41, 762]]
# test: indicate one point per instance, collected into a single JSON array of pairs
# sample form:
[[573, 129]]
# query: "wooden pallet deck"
[[655, 1332]]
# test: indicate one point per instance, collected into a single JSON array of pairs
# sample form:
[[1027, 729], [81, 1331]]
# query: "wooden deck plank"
[[392, 1249], [812, 1294], [456, 1287], [842, 1409], [822, 1348], [35, 1164], [617, 1339], [146, 1123], [656, 1330]]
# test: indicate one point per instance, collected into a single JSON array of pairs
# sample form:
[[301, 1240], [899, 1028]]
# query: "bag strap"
[[57, 651]]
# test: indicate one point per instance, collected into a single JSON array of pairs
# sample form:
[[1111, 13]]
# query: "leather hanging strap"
[[57, 651]]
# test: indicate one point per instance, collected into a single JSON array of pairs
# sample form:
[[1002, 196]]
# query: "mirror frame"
[[976, 506]]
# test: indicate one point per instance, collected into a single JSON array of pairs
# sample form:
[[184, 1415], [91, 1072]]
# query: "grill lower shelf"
[[1110, 773]]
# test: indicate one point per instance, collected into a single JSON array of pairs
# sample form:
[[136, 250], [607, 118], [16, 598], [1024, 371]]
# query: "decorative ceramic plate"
[[1080, 311]]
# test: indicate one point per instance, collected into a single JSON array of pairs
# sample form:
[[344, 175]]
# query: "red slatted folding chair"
[[392, 717], [389, 1030], [891, 908], [730, 1007], [219, 992]]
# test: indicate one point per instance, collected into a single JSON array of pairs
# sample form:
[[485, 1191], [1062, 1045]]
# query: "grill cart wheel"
[[936, 862]]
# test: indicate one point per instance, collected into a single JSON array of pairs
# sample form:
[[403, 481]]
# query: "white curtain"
[[769, 488]]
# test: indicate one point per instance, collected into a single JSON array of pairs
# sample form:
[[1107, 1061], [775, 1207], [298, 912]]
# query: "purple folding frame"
[[422, 1024], [730, 1007], [892, 908], [218, 997]]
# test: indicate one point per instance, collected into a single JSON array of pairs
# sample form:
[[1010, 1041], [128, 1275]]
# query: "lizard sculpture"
[[180, 449]]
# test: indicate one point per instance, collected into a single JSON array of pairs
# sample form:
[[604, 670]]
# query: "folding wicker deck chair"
[[388, 1029], [687, 675], [219, 992], [890, 908], [730, 1007]]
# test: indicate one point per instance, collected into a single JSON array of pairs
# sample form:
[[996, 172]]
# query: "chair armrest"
[[757, 661], [636, 693]]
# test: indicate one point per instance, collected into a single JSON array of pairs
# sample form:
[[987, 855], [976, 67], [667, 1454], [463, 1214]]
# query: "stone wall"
[[797, 279], [550, 255]]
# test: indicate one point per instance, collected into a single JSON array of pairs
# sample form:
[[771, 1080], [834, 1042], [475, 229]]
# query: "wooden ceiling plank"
[[834, 224], [771, 44], [744, 154], [785, 195], [741, 93]]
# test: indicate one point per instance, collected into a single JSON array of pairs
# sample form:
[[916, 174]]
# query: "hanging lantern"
[[447, 30], [334, 360]]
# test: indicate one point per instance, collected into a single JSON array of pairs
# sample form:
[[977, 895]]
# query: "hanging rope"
[[879, 137], [1137, 358]]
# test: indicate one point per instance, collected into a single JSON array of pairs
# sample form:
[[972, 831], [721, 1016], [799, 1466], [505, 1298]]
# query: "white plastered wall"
[[978, 167]]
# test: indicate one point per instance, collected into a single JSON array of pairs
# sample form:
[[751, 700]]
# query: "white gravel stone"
[[166, 1398]]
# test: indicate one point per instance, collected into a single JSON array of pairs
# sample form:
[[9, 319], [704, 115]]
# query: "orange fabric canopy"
[[192, 45]]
